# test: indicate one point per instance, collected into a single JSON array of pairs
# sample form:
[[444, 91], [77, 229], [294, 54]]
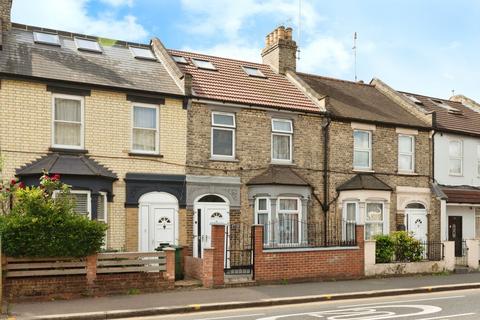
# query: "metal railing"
[[294, 233]]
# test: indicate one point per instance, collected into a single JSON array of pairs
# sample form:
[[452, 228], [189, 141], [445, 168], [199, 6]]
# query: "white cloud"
[[72, 15], [118, 3], [325, 54]]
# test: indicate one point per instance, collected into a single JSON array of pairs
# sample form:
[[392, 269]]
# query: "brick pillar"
[[359, 236], [91, 264], [169, 264], [257, 250], [213, 258], [207, 275]]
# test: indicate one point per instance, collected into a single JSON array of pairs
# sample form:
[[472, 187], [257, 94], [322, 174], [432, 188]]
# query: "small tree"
[[41, 224], [407, 248]]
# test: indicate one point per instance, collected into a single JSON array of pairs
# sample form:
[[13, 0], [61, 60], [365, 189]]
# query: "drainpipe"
[[434, 126], [325, 206]]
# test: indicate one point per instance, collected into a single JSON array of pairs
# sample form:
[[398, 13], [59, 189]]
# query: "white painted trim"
[[223, 127], [288, 134], [406, 131], [369, 150], [82, 124], [410, 154], [363, 126], [450, 157], [89, 200], [157, 129]]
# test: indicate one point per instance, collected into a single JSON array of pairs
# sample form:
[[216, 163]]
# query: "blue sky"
[[428, 47]]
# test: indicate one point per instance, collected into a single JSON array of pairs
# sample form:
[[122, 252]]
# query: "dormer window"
[[142, 53], [87, 45], [253, 72], [46, 38], [179, 59], [204, 64]]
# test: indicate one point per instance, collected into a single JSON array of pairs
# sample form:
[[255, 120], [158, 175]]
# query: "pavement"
[[182, 301]]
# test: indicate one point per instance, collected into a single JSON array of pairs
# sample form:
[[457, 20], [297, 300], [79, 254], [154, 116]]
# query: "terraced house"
[[103, 114]]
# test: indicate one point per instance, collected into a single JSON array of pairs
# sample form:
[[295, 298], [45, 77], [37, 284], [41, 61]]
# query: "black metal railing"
[[461, 253], [294, 233], [238, 249], [432, 250]]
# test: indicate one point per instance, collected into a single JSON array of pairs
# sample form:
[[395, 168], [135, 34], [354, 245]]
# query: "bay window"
[[374, 219], [282, 131], [289, 216], [67, 121], [362, 144], [223, 136], [455, 151], [406, 153], [349, 220], [262, 216], [145, 129]]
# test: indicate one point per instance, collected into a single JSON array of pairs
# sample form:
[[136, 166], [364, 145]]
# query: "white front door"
[[417, 223], [205, 215], [163, 223]]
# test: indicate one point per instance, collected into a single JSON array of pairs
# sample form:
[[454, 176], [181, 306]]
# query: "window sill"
[[224, 159], [149, 155], [66, 150], [406, 173], [279, 163], [363, 170], [455, 175]]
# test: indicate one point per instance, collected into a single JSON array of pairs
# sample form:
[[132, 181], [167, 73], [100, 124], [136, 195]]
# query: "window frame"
[[259, 73], [179, 59], [77, 44], [105, 209], [196, 60], [77, 191], [288, 134], [344, 216], [383, 221], [36, 40], [411, 154], [82, 121], [157, 129], [267, 211], [450, 158], [223, 127], [369, 150], [142, 57], [297, 211]]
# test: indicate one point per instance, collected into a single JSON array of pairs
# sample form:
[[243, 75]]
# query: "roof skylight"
[[254, 72], [46, 38], [414, 99], [142, 53], [445, 105], [204, 64], [179, 59], [87, 45]]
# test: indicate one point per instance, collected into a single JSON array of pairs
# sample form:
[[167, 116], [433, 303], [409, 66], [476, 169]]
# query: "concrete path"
[[174, 301]]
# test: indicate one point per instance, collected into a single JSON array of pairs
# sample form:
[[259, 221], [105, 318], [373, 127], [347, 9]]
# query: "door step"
[[239, 280], [461, 269], [190, 283]]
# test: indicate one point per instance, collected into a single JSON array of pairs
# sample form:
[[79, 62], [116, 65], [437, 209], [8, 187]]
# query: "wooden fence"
[[35, 267], [131, 262]]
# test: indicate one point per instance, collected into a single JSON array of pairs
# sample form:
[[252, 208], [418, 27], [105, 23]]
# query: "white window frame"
[[450, 158], [197, 61], [105, 209], [300, 218], [286, 133], [223, 127], [369, 150], [478, 160], [37, 40], [82, 124], [384, 221], [157, 129], [89, 199], [410, 154], [344, 216], [266, 211], [77, 40]]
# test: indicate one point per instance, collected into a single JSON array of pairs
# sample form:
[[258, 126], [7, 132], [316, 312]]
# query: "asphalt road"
[[433, 306]]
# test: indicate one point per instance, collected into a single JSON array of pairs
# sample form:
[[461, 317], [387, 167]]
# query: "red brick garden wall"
[[303, 265]]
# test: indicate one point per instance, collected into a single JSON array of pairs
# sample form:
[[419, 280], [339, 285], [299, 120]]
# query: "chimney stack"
[[280, 50], [5, 14]]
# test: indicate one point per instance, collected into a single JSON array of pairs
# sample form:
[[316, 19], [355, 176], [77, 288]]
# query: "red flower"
[[56, 177], [13, 181], [8, 189], [21, 185]]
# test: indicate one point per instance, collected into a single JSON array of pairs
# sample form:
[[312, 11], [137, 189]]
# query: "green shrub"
[[40, 225], [407, 248], [384, 248]]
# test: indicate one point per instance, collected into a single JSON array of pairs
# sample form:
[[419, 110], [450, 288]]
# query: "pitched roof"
[[230, 83], [66, 164], [462, 194], [114, 67], [363, 181], [354, 100], [446, 117], [278, 175]]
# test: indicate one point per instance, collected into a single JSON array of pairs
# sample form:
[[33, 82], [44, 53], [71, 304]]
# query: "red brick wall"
[[307, 265], [193, 268]]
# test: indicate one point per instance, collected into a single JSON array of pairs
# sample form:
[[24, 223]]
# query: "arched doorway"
[[416, 220], [157, 220], [208, 209]]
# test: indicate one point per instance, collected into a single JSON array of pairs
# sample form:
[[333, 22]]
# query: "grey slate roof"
[[278, 175], [364, 182], [114, 67], [68, 164]]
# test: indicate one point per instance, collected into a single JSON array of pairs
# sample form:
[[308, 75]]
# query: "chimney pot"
[[280, 50], [281, 32], [288, 33]]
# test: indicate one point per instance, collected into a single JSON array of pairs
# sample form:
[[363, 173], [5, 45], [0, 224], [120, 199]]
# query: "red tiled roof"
[[230, 83], [462, 195], [466, 120]]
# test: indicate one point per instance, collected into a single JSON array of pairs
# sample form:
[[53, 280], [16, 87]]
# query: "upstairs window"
[[455, 151], [362, 155], [87, 45], [406, 153], [223, 136], [67, 121], [282, 131], [145, 129], [254, 72], [179, 59], [142, 53], [204, 64], [46, 38]]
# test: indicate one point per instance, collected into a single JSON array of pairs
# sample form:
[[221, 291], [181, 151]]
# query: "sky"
[[428, 47]]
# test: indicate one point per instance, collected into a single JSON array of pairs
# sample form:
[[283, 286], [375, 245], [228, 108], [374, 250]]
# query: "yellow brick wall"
[[25, 134]]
